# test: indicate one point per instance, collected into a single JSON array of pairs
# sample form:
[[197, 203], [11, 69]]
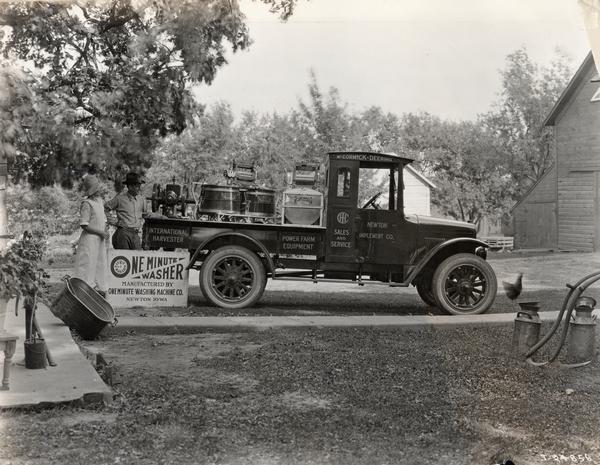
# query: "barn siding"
[[576, 211], [578, 158], [576, 130], [535, 217]]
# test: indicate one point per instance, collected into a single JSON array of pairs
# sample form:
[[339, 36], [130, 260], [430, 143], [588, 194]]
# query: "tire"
[[424, 289], [232, 277], [464, 284]]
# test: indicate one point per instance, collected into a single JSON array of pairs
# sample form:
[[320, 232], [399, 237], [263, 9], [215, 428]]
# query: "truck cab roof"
[[365, 156]]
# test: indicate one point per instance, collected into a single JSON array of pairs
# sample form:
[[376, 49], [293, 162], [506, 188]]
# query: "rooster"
[[513, 290]]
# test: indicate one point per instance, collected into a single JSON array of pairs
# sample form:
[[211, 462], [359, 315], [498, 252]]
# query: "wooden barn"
[[562, 210]]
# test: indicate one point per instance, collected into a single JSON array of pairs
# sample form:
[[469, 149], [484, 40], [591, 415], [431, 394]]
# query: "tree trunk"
[[3, 227]]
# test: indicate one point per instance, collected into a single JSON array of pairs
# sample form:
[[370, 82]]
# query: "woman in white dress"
[[91, 248]]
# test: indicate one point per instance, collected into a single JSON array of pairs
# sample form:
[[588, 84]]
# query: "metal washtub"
[[260, 202], [81, 308], [220, 199]]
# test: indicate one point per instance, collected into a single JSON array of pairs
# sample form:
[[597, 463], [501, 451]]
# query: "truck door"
[[381, 232], [342, 211]]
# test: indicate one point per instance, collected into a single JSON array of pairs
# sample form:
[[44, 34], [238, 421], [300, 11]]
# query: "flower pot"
[[35, 354]]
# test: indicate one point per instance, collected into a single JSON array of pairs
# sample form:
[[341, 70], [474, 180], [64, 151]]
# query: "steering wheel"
[[371, 201]]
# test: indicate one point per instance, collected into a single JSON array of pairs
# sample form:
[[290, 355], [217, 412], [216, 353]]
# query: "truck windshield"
[[373, 181]]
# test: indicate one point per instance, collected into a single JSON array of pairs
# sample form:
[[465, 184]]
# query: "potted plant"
[[22, 276]]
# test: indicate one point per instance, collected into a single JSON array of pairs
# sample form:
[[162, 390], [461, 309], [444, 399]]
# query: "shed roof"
[[420, 177], [564, 98]]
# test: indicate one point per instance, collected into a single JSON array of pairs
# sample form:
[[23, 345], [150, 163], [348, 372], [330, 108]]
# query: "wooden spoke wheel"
[[464, 284], [233, 277]]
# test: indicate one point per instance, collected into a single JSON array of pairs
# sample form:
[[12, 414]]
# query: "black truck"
[[347, 232]]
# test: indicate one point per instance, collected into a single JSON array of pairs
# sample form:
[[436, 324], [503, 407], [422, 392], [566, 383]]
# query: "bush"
[[47, 211], [20, 271]]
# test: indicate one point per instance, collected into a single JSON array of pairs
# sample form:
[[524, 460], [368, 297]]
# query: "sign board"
[[147, 278]]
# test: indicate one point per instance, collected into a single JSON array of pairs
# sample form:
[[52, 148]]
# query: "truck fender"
[[259, 246], [479, 246]]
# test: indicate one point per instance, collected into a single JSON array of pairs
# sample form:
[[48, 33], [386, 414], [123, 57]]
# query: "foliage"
[[529, 92], [20, 272], [47, 211], [112, 78], [200, 153], [323, 124], [13, 89], [462, 161]]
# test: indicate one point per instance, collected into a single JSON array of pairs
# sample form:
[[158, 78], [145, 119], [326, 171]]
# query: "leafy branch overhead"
[[115, 75]]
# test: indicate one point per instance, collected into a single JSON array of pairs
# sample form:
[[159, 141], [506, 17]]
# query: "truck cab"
[[365, 214]]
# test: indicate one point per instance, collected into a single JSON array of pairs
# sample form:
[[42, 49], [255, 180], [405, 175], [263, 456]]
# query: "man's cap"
[[133, 178], [91, 185]]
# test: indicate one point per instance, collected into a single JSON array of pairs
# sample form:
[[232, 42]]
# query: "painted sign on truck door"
[[341, 212]]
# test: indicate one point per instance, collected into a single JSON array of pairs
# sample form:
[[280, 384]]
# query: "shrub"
[[47, 211], [20, 271]]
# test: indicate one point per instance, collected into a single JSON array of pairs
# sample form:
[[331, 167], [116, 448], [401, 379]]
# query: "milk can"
[[582, 332], [526, 331]]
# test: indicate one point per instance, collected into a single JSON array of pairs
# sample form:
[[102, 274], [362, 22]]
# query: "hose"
[[568, 306]]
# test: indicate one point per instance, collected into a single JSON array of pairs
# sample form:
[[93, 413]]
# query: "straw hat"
[[91, 185]]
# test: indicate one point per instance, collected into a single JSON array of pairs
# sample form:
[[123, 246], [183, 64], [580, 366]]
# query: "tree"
[[462, 160], [13, 91], [112, 78], [323, 124], [200, 153], [527, 97]]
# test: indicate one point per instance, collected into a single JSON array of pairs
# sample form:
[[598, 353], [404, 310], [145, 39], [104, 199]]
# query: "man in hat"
[[130, 208], [91, 248]]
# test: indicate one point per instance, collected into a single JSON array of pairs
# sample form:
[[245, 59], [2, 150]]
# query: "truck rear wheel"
[[464, 284], [232, 277]]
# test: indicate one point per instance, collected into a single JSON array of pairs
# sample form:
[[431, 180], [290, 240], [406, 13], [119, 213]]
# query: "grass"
[[333, 396], [324, 396]]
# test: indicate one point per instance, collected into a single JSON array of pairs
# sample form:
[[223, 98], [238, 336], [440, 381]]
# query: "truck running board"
[[341, 281]]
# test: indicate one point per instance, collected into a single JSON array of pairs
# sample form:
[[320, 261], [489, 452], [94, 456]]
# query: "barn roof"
[[532, 187], [564, 98]]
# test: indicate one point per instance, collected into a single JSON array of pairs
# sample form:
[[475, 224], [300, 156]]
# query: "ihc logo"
[[343, 217]]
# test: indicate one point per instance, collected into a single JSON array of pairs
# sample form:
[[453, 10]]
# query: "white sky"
[[440, 56]]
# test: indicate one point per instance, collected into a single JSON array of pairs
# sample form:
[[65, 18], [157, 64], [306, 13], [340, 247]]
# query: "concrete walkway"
[[72, 379], [193, 324], [75, 379]]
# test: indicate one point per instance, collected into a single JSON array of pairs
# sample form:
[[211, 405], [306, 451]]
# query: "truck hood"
[[430, 220]]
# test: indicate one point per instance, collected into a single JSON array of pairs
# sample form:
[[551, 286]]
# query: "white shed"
[[417, 192]]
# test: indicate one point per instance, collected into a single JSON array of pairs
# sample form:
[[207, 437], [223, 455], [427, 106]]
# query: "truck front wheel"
[[232, 277], [424, 288], [464, 284]]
